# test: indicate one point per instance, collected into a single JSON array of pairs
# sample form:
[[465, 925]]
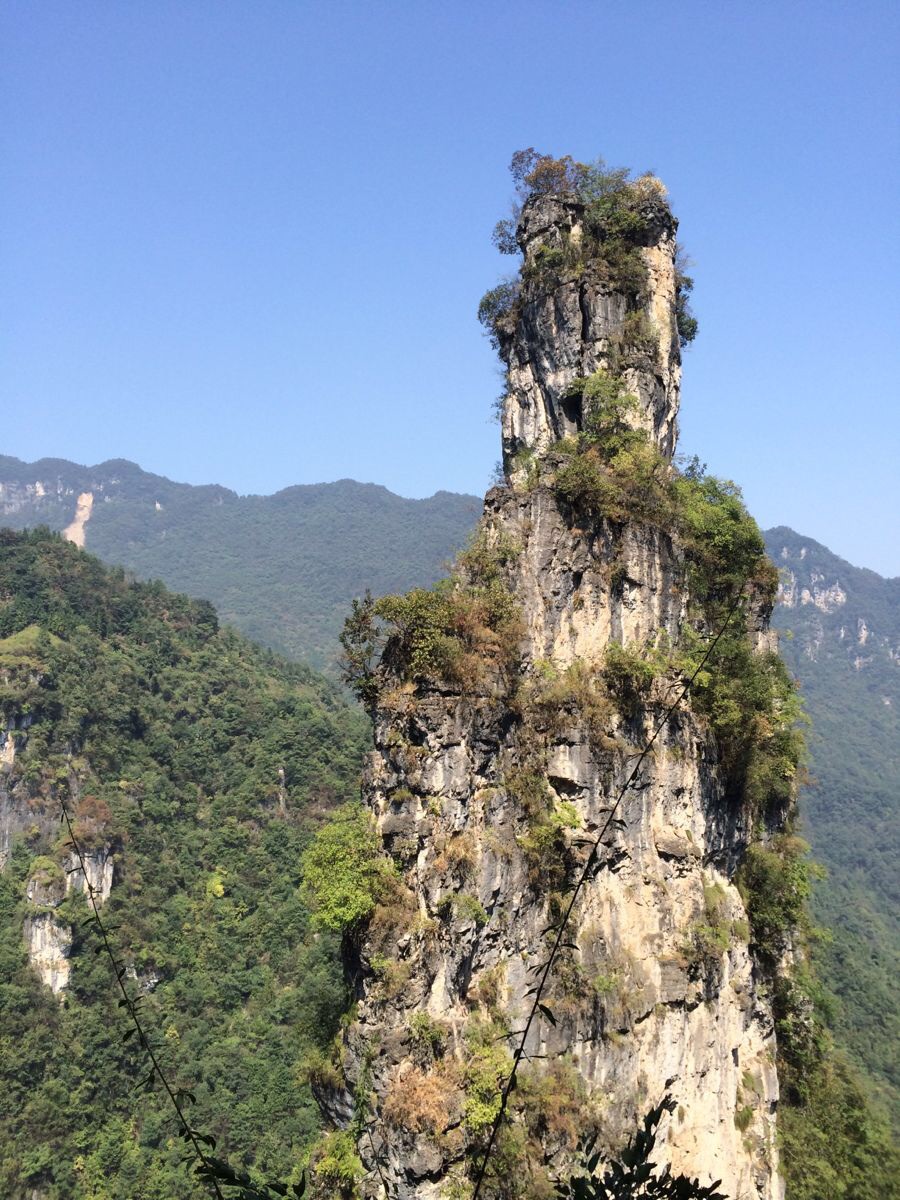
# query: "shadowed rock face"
[[452, 784], [575, 325]]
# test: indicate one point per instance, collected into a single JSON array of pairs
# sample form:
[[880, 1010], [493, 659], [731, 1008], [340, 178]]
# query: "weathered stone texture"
[[574, 330]]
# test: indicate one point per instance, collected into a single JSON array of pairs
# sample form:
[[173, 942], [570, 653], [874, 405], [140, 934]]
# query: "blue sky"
[[244, 242]]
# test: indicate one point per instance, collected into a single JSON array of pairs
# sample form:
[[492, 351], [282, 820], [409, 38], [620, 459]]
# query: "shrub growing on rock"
[[344, 872]]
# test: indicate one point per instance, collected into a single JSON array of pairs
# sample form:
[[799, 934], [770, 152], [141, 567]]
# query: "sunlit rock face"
[[17, 815], [450, 782], [95, 876], [48, 935], [49, 944]]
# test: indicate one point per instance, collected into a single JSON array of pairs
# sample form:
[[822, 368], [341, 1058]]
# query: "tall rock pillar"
[[510, 710]]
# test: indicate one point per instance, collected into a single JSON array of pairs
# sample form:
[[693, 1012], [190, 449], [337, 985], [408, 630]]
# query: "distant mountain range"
[[283, 569], [841, 636]]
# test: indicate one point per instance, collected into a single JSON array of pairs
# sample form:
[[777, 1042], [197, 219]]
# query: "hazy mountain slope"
[[192, 762], [844, 645], [281, 568]]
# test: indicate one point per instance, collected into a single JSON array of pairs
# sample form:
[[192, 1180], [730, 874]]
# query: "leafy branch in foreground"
[[633, 1174], [214, 1172]]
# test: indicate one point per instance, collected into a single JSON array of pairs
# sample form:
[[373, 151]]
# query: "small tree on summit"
[[536, 174], [361, 644]]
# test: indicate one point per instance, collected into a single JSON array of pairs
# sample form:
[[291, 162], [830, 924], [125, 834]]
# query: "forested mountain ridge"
[[280, 568], [840, 628], [193, 763], [284, 569]]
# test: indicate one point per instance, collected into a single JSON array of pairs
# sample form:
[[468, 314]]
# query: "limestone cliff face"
[[48, 936], [459, 768], [15, 816]]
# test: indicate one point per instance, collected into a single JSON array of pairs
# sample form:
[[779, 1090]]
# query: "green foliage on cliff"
[[496, 308], [344, 873], [444, 632], [726, 548], [486, 1072], [536, 174], [756, 714], [775, 880], [613, 470], [712, 934], [685, 320], [335, 1167], [618, 215], [454, 631], [629, 672], [204, 762]]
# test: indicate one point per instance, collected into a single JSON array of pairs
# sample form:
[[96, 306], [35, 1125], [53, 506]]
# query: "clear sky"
[[243, 242]]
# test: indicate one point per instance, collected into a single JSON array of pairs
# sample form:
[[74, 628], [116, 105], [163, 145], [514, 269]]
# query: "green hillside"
[[280, 568], [842, 627], [200, 762]]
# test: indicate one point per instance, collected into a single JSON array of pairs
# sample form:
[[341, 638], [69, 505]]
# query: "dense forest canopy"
[[202, 762]]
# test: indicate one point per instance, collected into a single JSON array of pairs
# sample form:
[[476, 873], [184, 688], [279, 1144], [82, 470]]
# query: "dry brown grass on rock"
[[425, 1101]]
